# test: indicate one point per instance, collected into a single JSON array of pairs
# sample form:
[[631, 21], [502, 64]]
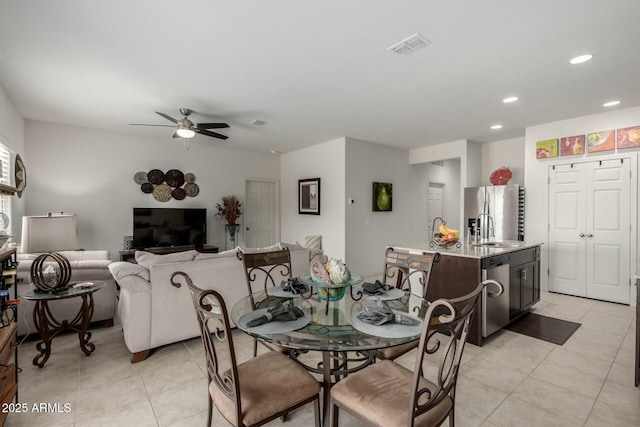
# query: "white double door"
[[590, 229]]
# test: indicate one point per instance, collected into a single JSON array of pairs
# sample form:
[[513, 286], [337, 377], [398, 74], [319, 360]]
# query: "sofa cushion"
[[147, 259], [291, 246], [122, 269], [223, 254], [271, 248]]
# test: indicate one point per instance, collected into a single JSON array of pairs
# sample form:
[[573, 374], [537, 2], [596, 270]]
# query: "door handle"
[[589, 235], [581, 234], [247, 228]]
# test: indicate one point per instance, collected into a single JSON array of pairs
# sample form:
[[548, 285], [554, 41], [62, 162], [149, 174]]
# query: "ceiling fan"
[[185, 128]]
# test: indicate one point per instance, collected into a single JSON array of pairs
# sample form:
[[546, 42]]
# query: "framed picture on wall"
[[382, 197], [309, 196]]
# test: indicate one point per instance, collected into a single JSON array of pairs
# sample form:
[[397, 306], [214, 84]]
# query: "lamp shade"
[[49, 233]]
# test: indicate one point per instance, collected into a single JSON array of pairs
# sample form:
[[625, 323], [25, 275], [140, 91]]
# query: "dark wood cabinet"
[[129, 256], [524, 281]]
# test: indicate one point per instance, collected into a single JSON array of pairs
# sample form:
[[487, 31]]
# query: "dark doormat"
[[544, 328]]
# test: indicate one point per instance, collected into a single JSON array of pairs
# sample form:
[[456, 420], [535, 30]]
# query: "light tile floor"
[[512, 380]]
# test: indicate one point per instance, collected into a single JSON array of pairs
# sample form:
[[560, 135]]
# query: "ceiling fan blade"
[[212, 125], [144, 124], [167, 117], [209, 133]]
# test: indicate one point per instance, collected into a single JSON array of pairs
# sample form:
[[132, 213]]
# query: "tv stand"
[[130, 255]]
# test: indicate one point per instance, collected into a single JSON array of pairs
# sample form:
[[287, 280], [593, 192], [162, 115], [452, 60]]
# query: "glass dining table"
[[331, 327]]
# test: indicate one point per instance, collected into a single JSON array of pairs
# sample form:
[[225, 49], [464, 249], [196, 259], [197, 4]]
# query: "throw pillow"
[[147, 259], [313, 242], [120, 270]]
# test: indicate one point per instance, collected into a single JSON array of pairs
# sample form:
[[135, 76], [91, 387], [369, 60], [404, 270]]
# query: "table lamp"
[[49, 233]]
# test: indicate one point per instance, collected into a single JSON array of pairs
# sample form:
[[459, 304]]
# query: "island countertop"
[[470, 250]]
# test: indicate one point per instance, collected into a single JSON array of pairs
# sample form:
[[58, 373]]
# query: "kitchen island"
[[514, 264]]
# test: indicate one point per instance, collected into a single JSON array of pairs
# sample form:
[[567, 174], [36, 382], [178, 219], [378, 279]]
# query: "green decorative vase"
[[383, 199]]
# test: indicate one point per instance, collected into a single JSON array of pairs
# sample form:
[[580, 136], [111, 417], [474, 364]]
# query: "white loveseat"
[[153, 312], [85, 266]]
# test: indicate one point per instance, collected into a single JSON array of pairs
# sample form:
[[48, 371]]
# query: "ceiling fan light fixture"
[[185, 133]]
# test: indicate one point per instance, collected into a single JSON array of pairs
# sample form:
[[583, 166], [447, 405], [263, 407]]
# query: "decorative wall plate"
[[189, 177], [174, 178], [155, 176], [500, 176], [191, 189], [179, 193], [162, 193], [140, 178], [20, 175], [147, 188]]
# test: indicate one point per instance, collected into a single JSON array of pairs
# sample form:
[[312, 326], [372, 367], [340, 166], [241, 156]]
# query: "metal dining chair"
[[408, 271], [388, 394], [254, 392], [264, 270]]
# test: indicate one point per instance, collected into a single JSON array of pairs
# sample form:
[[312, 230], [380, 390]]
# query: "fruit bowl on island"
[[447, 236]]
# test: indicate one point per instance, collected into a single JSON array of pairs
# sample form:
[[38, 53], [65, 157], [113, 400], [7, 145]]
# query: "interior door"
[[567, 224], [435, 205], [590, 229], [608, 230], [261, 213]]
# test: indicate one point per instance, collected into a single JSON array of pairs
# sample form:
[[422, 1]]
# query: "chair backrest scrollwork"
[[444, 335], [215, 330], [264, 269], [406, 269]]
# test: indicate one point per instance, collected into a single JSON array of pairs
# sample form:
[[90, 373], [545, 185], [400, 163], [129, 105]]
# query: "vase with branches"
[[230, 209]]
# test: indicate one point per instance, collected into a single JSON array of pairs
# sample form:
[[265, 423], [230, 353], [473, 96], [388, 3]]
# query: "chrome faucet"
[[487, 230]]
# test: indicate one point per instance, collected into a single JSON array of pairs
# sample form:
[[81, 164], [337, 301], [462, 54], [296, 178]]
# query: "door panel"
[[608, 230], [435, 205], [260, 220], [566, 223]]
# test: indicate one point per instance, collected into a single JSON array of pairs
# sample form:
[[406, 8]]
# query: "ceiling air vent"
[[438, 163], [409, 45]]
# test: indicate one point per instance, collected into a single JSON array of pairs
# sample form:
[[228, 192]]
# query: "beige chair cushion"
[[269, 384], [380, 394]]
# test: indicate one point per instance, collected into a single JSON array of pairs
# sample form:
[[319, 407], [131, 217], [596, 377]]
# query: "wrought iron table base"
[[339, 369], [49, 327]]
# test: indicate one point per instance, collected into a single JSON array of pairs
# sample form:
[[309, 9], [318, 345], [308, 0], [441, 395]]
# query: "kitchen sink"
[[499, 244]]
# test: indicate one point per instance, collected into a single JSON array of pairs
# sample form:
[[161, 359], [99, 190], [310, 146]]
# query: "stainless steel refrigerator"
[[496, 211]]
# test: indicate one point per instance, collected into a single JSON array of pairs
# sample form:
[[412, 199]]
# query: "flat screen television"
[[160, 227]]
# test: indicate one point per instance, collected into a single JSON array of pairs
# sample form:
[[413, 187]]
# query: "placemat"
[[273, 327], [389, 330]]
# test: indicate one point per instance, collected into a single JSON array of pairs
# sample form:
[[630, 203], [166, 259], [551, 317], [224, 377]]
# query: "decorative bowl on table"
[[444, 240], [330, 277]]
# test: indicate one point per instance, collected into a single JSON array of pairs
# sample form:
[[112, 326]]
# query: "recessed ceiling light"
[[580, 59], [275, 152], [510, 99], [494, 127], [610, 103]]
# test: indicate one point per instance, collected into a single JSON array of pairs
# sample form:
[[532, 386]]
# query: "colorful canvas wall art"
[[601, 141], [629, 137], [547, 148], [571, 145]]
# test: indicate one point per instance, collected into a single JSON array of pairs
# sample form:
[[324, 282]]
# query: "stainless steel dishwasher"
[[495, 311]]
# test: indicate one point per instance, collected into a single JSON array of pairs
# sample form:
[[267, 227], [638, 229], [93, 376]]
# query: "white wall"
[[368, 233], [326, 161], [536, 171], [90, 172], [12, 136], [509, 153], [449, 174]]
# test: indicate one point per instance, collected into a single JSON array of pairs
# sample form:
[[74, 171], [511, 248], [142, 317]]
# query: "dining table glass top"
[[330, 327]]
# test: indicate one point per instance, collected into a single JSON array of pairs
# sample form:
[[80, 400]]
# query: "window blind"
[[5, 178]]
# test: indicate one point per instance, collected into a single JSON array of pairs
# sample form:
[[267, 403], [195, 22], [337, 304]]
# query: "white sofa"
[[153, 312], [85, 266]]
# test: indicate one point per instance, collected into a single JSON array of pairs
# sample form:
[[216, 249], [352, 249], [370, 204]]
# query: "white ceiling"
[[319, 70]]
